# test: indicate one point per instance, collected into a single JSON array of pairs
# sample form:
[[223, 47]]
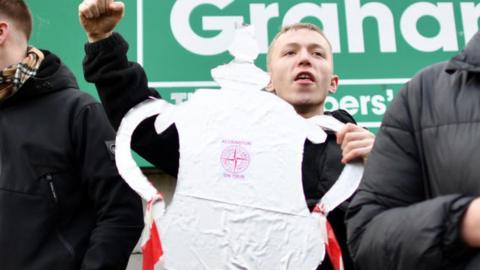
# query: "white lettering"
[[349, 104], [356, 14], [390, 95], [326, 13], [331, 104], [178, 97], [183, 33], [259, 17], [363, 104], [470, 15], [378, 104], [446, 39]]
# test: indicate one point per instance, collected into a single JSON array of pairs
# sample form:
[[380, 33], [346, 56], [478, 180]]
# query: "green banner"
[[378, 45]]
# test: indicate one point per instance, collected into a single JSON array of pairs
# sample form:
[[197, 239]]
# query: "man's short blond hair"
[[294, 27]]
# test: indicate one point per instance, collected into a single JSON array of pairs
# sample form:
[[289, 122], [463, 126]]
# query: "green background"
[[57, 28]]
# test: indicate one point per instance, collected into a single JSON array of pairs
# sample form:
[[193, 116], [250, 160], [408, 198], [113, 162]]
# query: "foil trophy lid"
[[241, 73]]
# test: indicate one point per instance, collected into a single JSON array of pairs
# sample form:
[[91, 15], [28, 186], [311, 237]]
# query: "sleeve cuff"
[[114, 42], [454, 246]]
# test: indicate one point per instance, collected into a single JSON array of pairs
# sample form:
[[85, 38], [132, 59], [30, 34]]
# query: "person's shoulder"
[[429, 75], [433, 70], [420, 90], [342, 115], [84, 96], [75, 99]]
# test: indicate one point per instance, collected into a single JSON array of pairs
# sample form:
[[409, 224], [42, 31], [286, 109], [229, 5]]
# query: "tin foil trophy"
[[239, 201]]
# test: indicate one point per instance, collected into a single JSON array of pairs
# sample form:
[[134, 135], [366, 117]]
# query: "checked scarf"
[[13, 77]]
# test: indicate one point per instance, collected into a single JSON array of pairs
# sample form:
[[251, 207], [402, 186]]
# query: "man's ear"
[[269, 86], [333, 84], [4, 31]]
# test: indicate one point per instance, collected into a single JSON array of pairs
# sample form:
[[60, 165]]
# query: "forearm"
[[424, 235], [120, 84]]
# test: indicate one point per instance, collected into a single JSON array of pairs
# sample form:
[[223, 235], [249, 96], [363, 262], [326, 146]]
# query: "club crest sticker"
[[235, 158]]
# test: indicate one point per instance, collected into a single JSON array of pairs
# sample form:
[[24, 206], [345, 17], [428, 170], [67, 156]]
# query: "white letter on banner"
[[470, 15], [356, 14], [326, 13], [443, 13], [178, 98], [259, 17], [331, 104], [183, 33]]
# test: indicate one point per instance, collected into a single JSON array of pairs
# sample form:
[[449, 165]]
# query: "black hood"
[[469, 58], [52, 76]]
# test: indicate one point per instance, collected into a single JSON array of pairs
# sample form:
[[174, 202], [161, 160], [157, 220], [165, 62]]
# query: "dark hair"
[[17, 11]]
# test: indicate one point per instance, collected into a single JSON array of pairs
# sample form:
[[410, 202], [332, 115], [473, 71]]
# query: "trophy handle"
[[350, 177], [126, 165]]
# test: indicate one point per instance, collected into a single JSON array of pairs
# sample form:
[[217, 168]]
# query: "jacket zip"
[[49, 179], [65, 243]]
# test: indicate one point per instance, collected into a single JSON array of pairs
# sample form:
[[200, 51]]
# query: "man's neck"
[[308, 113]]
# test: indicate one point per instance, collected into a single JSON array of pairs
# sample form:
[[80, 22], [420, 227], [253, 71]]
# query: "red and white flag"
[[151, 244]]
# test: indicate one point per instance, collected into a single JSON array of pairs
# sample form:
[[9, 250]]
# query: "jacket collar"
[[52, 76], [468, 59]]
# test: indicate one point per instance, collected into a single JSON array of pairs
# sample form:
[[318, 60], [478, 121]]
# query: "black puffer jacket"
[[422, 173], [62, 202], [122, 84]]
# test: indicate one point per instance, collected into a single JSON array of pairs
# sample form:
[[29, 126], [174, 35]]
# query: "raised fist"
[[99, 17]]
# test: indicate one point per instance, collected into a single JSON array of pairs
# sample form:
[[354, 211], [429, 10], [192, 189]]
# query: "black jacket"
[[422, 173], [321, 167], [122, 84], [62, 203]]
